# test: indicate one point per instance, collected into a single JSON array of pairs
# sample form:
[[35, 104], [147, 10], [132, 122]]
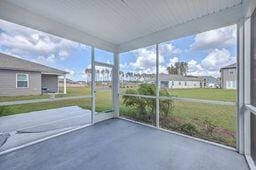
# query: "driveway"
[[20, 129]]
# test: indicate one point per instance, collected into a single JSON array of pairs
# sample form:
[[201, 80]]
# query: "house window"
[[179, 83], [22, 80], [231, 72], [172, 83], [185, 83]]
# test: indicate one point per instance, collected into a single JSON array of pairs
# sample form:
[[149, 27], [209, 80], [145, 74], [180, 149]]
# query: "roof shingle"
[[8, 62]]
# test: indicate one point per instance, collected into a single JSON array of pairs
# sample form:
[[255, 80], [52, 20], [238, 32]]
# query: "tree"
[[172, 70], [88, 74], [183, 68], [179, 68]]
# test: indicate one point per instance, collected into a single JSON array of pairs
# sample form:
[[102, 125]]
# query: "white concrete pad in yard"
[[28, 127]]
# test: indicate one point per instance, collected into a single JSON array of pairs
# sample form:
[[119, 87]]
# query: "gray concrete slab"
[[3, 138], [118, 144], [28, 127], [33, 119]]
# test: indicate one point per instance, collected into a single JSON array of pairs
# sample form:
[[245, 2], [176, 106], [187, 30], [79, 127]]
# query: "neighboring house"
[[228, 77], [22, 77], [178, 81], [209, 82]]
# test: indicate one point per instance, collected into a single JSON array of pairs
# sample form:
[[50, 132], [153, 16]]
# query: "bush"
[[188, 129], [147, 106], [209, 127]]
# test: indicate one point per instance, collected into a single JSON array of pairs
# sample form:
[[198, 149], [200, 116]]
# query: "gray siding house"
[[228, 77], [22, 77]]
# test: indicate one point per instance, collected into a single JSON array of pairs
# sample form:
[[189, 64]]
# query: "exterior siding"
[[184, 84], [181, 84], [228, 75], [8, 83], [50, 82]]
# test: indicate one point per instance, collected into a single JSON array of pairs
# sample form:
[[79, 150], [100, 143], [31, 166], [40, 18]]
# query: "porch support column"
[[116, 85], [157, 86], [247, 85], [65, 84], [243, 85], [92, 86]]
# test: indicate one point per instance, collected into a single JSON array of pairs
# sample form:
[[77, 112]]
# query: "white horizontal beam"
[[15, 14], [97, 63], [223, 18]]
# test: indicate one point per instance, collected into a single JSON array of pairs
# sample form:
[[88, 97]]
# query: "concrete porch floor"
[[119, 144], [20, 129]]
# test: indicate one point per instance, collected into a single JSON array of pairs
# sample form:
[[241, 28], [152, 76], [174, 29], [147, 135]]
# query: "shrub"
[[189, 129], [146, 106], [209, 126]]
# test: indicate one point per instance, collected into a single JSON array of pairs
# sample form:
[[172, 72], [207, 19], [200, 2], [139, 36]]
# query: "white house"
[[178, 81]]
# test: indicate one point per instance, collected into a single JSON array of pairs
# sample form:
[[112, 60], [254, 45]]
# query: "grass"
[[207, 94], [71, 91], [222, 117], [16, 109], [17, 98], [102, 103]]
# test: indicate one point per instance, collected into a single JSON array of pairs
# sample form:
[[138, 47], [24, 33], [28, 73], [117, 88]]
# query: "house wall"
[[50, 82], [228, 78], [184, 84], [8, 83]]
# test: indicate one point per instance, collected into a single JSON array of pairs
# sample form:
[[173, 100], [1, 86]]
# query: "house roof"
[[229, 66], [13, 63], [172, 77], [124, 25], [209, 79]]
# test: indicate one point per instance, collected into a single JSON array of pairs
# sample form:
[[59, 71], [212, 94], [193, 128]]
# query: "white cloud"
[[216, 59], [63, 54], [217, 38], [173, 61], [46, 60], [168, 49], [22, 41], [146, 58], [211, 64]]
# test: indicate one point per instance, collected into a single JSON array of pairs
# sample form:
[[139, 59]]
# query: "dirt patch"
[[223, 133]]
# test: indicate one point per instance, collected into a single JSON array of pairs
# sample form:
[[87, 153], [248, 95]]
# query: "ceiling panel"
[[122, 21]]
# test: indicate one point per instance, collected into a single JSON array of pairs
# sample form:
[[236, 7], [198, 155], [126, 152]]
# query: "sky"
[[205, 53]]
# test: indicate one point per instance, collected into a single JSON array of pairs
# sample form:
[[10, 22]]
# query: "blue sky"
[[205, 53]]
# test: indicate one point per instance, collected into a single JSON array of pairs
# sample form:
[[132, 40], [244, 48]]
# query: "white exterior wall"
[[184, 84]]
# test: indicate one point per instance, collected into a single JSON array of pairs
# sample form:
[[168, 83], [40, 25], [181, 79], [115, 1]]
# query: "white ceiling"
[[122, 25]]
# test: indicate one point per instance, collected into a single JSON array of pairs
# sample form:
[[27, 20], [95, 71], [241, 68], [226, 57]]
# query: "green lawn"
[[102, 103], [222, 117], [208, 94], [71, 91]]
